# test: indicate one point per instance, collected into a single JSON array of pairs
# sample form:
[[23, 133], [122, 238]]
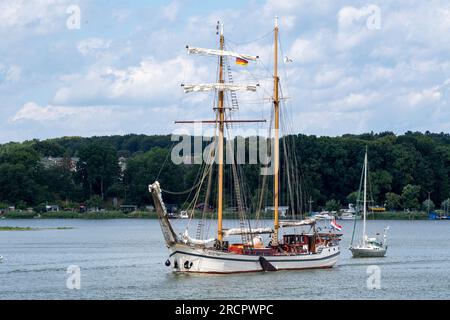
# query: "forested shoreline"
[[108, 171]]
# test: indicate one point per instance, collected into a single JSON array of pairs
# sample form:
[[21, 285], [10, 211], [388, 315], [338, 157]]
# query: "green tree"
[[333, 205], [94, 202], [445, 205], [97, 168], [149, 167], [393, 201], [353, 197], [410, 196], [428, 205], [381, 181], [20, 170]]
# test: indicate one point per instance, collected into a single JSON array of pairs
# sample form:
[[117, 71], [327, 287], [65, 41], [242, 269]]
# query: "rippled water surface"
[[124, 259]]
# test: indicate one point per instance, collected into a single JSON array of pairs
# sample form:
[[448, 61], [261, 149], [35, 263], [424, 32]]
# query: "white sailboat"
[[368, 246], [295, 250]]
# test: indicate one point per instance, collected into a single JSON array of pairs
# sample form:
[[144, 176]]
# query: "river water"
[[124, 259]]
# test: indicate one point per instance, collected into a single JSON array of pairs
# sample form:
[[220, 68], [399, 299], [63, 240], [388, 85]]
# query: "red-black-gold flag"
[[241, 62]]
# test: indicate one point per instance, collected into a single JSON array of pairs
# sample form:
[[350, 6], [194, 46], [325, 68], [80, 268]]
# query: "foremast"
[[221, 136], [220, 87], [276, 106]]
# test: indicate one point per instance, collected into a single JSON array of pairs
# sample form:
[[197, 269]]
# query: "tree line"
[[405, 170]]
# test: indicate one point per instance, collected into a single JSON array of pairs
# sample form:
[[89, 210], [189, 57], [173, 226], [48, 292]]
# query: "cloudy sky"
[[357, 66]]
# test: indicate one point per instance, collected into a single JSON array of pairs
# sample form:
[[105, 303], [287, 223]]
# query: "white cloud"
[[57, 121], [328, 77], [305, 51], [426, 96], [120, 15], [149, 81], [40, 16], [93, 46], [345, 77], [10, 74], [355, 25], [34, 112], [170, 11], [282, 5]]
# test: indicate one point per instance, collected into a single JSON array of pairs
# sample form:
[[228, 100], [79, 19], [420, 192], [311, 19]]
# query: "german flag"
[[241, 62]]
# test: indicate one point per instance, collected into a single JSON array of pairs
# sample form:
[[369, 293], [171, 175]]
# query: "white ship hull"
[[189, 259], [360, 252]]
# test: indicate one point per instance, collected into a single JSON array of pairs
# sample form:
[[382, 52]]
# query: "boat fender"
[[167, 263], [188, 265]]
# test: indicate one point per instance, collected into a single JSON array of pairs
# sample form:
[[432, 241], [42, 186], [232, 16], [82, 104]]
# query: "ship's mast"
[[276, 105], [365, 197], [221, 111], [220, 87]]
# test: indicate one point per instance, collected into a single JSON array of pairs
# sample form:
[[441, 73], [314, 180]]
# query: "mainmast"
[[276, 105], [365, 197], [221, 136]]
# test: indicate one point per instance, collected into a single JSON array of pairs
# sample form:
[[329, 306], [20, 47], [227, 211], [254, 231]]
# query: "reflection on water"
[[124, 259]]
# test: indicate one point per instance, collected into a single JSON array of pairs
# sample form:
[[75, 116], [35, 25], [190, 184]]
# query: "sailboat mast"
[[276, 105], [221, 111], [365, 197]]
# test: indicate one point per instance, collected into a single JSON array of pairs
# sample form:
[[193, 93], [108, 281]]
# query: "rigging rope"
[[182, 192], [165, 161]]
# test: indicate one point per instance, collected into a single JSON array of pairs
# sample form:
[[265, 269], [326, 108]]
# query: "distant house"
[[122, 164], [52, 162], [172, 207], [201, 206], [128, 208], [52, 208]]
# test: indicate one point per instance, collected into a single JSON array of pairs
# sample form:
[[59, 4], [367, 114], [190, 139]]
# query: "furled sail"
[[223, 53], [187, 239], [240, 231], [297, 223], [217, 86]]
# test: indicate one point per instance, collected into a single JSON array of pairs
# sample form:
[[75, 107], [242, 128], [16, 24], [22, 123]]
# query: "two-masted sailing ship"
[[368, 246], [288, 245]]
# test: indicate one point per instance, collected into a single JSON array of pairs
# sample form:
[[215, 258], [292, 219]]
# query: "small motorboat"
[[184, 215], [324, 215]]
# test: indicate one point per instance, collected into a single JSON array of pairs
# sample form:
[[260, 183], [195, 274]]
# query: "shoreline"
[[113, 215]]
